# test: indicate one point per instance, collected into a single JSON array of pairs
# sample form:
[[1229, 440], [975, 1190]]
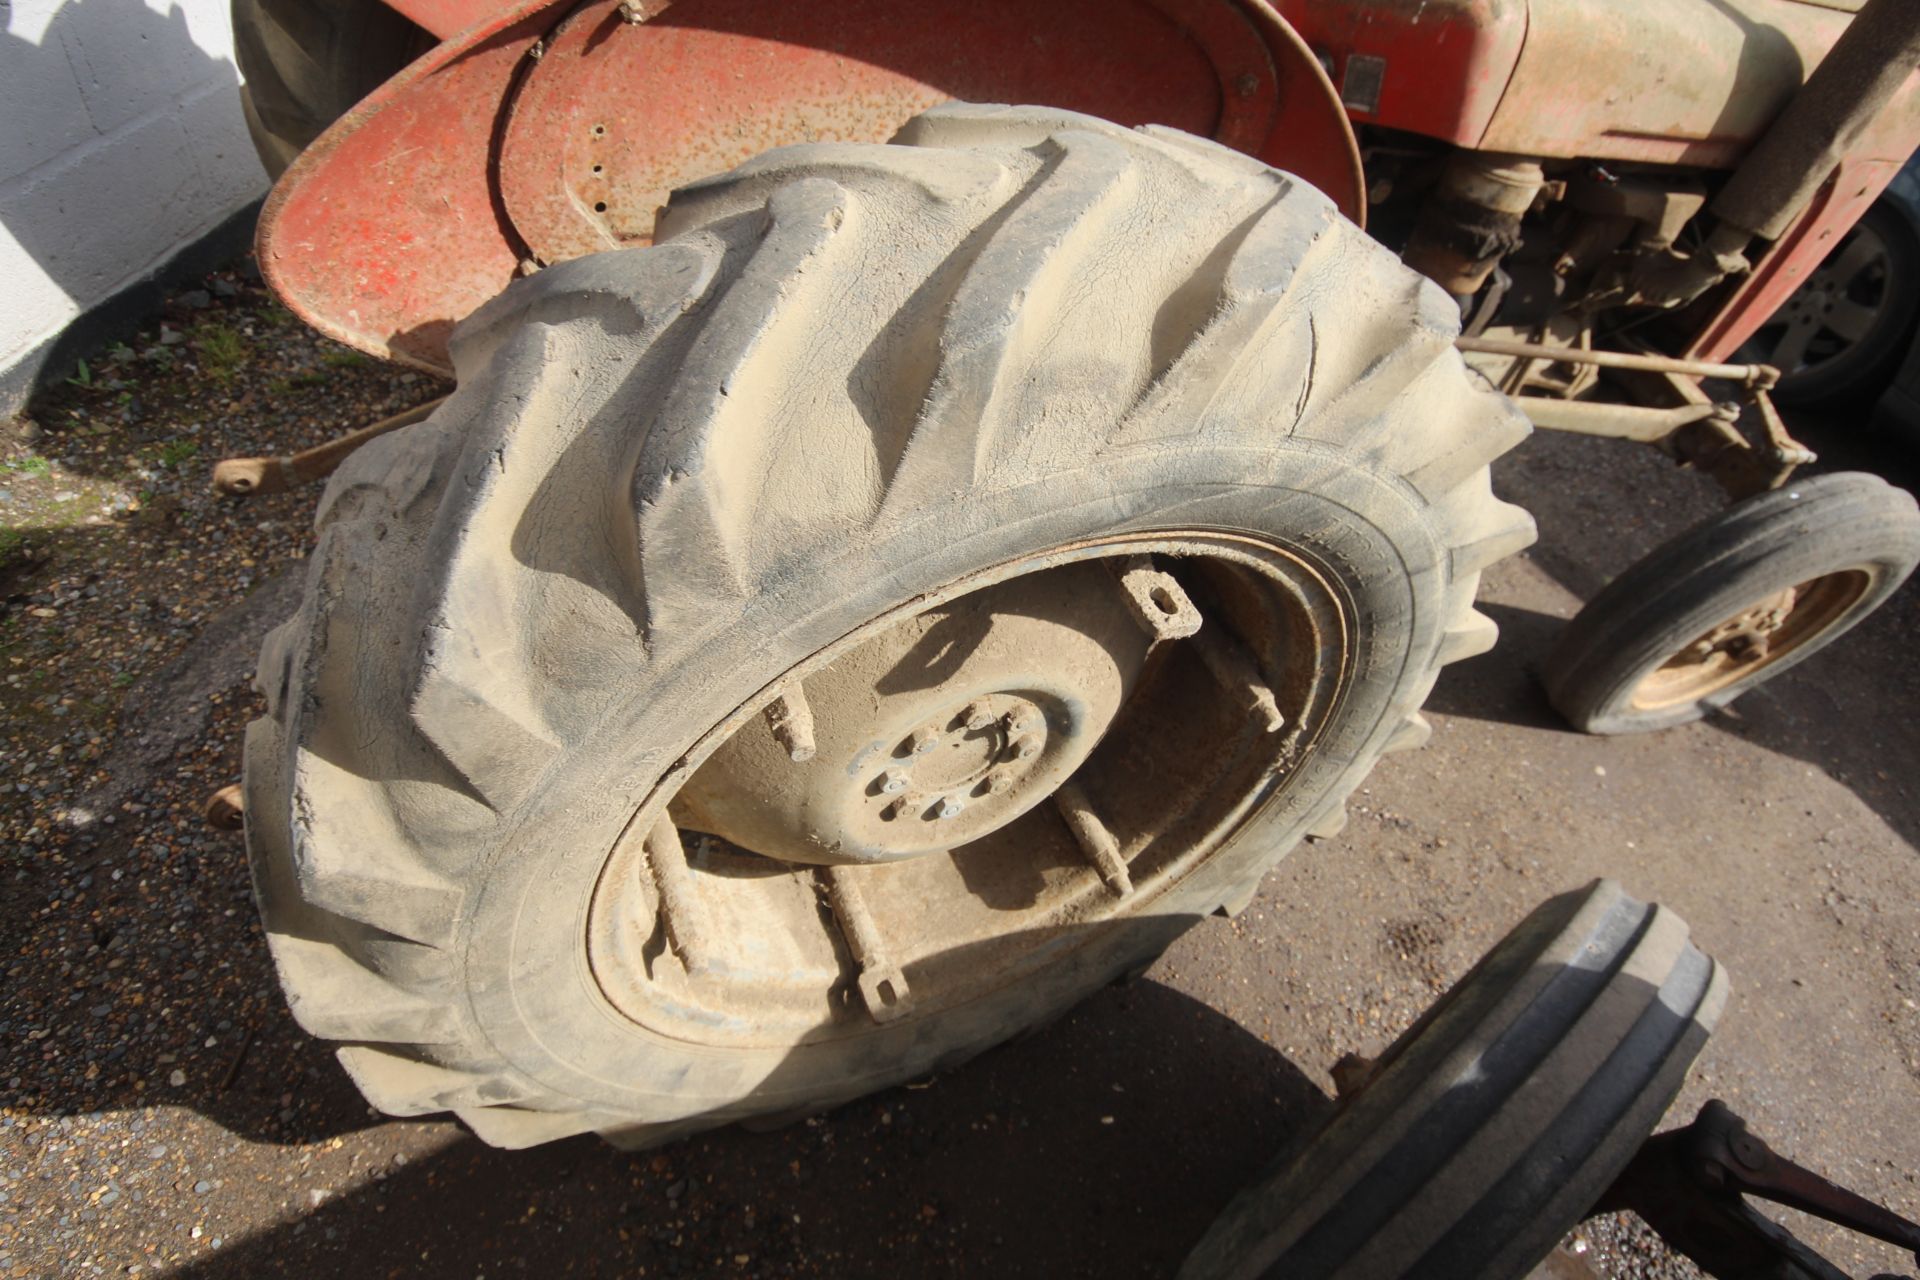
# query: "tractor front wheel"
[[1735, 600]]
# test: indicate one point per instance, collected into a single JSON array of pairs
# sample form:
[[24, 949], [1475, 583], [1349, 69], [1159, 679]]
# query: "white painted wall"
[[121, 140]]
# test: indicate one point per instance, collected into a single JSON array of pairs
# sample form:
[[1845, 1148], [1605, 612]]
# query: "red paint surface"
[[1786, 265], [1447, 61], [617, 115], [419, 205]]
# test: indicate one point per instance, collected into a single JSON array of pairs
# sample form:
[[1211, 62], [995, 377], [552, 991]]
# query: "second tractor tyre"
[[1017, 536], [305, 63], [1493, 1125], [1733, 601]]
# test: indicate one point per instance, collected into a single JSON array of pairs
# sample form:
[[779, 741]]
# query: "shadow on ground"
[[1103, 1147]]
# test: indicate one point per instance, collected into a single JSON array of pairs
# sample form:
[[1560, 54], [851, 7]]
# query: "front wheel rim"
[[706, 943], [1754, 639]]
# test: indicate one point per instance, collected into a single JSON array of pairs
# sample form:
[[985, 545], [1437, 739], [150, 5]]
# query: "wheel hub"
[[971, 761], [935, 733]]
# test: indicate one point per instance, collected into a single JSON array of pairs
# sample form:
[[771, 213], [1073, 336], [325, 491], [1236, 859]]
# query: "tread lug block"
[[338, 873], [1020, 286], [1412, 734], [496, 751], [719, 479], [515, 1128], [1469, 638], [403, 1086], [940, 178], [334, 998], [1250, 349], [1329, 825]]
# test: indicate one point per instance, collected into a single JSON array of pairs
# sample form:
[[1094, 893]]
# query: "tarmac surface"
[[1785, 833]]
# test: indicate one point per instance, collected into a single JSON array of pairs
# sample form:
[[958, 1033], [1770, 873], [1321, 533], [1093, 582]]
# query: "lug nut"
[[978, 715], [999, 782], [894, 781], [1018, 722], [1025, 747], [949, 807], [894, 808], [923, 740]]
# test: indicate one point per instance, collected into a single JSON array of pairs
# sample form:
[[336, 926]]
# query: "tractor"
[[890, 562]]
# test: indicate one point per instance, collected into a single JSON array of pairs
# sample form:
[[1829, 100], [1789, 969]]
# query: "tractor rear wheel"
[[305, 63], [805, 652]]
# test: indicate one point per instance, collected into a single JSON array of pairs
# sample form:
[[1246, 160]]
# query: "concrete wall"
[[121, 141]]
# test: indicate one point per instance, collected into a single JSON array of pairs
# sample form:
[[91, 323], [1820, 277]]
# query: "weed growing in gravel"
[[11, 540], [347, 359], [222, 352], [177, 452], [82, 376], [31, 465], [287, 386]]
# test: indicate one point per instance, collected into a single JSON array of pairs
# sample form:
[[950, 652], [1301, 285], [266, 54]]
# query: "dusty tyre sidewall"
[[530, 988], [1685, 588]]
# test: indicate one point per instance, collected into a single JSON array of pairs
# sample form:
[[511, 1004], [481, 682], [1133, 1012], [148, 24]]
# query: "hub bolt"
[[1025, 747], [1021, 720], [894, 781], [978, 715], [923, 740], [949, 807], [999, 782]]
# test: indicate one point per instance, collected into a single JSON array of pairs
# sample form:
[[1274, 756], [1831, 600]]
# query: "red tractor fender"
[[545, 130]]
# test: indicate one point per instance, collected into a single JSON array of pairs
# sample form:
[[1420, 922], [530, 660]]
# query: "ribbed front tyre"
[[806, 652]]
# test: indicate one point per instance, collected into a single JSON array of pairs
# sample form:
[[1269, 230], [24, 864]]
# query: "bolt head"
[[1021, 721], [923, 740], [949, 807], [1025, 747], [999, 782], [978, 715], [894, 781]]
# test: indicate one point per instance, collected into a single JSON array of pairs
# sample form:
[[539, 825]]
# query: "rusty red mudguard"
[[548, 130]]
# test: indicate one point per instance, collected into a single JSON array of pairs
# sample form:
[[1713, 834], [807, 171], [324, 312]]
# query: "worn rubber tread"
[[1489, 1127], [652, 453]]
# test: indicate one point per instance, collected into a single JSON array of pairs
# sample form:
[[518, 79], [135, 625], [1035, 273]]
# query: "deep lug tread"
[[497, 607]]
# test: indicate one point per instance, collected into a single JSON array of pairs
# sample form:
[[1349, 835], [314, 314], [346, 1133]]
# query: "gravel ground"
[[137, 984], [162, 1114]]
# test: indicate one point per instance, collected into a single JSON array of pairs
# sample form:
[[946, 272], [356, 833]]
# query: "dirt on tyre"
[[805, 652], [305, 63], [1494, 1124], [1734, 601]]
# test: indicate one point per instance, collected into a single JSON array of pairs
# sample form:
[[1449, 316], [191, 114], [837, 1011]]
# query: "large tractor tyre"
[[1733, 601], [305, 63], [1008, 542], [1494, 1124]]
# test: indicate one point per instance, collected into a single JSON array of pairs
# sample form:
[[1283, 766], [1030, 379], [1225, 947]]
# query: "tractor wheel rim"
[[1755, 638], [702, 941]]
